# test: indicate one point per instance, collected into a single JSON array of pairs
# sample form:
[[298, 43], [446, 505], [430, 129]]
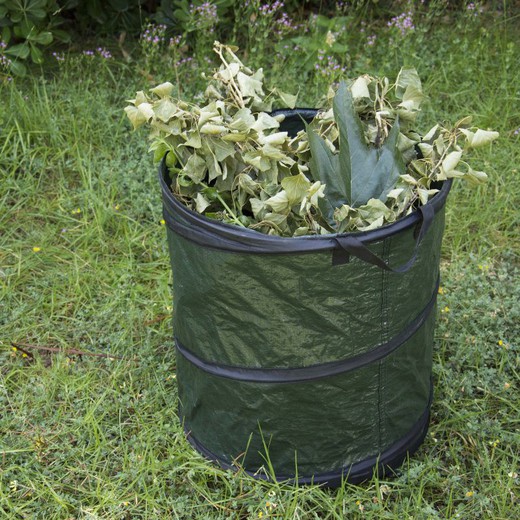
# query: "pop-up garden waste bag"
[[311, 356]]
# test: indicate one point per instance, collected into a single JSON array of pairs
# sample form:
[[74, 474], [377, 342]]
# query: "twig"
[[234, 90], [23, 351], [72, 351], [161, 317]]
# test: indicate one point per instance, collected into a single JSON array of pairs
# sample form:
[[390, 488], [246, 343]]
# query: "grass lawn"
[[84, 265]]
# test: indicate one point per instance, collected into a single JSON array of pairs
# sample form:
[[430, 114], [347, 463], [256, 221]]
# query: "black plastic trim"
[[382, 464], [309, 373], [218, 235]]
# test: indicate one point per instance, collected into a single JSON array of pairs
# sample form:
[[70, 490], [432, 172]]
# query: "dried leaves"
[[357, 166]]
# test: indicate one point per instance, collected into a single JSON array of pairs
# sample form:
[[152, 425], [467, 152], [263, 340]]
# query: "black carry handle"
[[353, 246]]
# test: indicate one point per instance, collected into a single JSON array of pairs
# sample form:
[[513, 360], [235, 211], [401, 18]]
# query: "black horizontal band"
[[294, 375], [214, 234], [382, 463]]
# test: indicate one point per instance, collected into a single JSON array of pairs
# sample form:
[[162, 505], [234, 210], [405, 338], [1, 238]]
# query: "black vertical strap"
[[355, 247], [340, 256]]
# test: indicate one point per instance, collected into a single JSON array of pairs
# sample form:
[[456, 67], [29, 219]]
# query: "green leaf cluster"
[[181, 15], [360, 164], [26, 26]]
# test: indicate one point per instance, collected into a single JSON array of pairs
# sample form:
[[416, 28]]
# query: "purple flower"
[[154, 34], [328, 66], [59, 56], [269, 10], [104, 53], [4, 61], [204, 15], [184, 61], [403, 22]]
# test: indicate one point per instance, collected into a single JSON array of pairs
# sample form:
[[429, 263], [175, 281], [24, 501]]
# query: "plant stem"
[[228, 209]]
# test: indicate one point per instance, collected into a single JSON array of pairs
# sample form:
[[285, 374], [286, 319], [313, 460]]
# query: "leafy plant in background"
[[358, 165], [160, 53], [268, 23], [185, 17], [197, 23], [324, 35], [26, 26], [109, 16]]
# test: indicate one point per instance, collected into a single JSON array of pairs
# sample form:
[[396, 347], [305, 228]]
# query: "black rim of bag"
[[229, 237], [219, 235]]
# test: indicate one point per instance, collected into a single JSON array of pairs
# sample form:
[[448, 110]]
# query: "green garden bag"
[[308, 358]]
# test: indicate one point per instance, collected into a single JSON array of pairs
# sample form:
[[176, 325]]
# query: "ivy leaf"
[[296, 188], [195, 168], [426, 149], [407, 79], [476, 177], [163, 90], [159, 149], [366, 172], [430, 136], [360, 88], [479, 138], [257, 159], [264, 122], [146, 110], [135, 116], [247, 184], [288, 99], [234, 137], [201, 203], [450, 162], [243, 120], [258, 207], [140, 97], [164, 110], [315, 193], [193, 140], [278, 138], [279, 203], [221, 149], [211, 129], [249, 85]]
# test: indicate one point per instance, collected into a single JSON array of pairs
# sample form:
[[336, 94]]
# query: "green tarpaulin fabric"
[[290, 360]]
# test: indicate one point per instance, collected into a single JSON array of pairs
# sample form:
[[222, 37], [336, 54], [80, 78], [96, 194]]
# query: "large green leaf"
[[36, 55], [324, 165], [5, 34], [21, 50], [366, 172], [18, 68], [43, 38]]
